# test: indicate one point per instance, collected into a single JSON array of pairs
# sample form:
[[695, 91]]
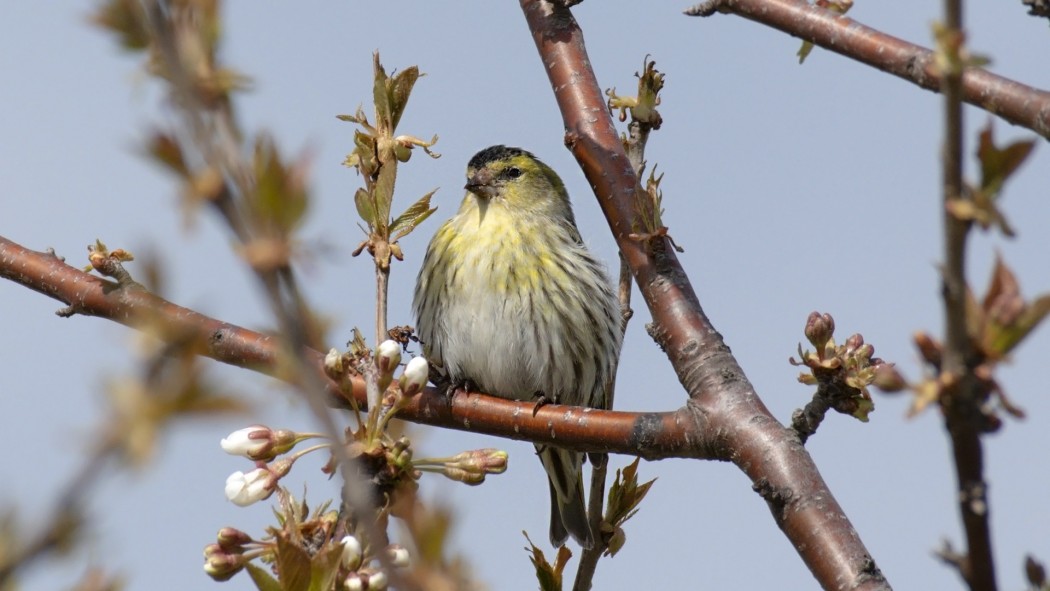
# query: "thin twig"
[[961, 399], [638, 136], [216, 137], [1015, 102], [382, 283]]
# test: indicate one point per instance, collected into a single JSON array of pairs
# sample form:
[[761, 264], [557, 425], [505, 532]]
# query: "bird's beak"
[[481, 184]]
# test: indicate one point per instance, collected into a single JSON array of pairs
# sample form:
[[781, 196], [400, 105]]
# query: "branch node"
[[706, 8], [51, 252]]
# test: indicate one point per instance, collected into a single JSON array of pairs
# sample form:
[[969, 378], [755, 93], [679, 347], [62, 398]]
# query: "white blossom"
[[243, 489]]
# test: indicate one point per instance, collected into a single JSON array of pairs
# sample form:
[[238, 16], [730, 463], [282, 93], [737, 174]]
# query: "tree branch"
[[1038, 8], [722, 403], [961, 398], [652, 435], [1015, 102]]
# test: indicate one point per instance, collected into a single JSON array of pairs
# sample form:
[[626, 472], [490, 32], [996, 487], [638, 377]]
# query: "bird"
[[511, 301]]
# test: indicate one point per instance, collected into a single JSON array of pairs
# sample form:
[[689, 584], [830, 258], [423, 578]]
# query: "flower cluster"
[[343, 561], [330, 544], [844, 372], [262, 444]]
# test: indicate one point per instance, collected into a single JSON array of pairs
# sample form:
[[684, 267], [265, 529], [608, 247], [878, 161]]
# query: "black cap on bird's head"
[[494, 153]]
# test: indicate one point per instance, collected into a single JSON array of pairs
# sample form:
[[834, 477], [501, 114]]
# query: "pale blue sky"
[[791, 189]]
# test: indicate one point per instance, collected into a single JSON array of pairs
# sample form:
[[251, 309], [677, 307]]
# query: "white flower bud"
[[333, 362], [248, 442], [414, 378], [388, 356], [398, 555], [352, 552], [243, 489], [354, 582], [377, 581]]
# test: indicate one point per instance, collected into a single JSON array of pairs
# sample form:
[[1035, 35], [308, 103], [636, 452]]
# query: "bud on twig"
[[415, 376]]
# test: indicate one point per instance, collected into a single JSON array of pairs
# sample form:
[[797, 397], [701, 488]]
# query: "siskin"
[[510, 300]]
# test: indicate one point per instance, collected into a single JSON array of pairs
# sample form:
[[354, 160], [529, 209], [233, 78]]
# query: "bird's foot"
[[450, 387], [541, 400]]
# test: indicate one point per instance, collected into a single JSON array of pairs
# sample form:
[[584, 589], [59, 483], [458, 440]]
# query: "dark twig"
[[1038, 8], [805, 421], [1015, 102], [961, 398], [639, 136]]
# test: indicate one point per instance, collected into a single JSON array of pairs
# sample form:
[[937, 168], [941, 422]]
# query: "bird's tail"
[[568, 509]]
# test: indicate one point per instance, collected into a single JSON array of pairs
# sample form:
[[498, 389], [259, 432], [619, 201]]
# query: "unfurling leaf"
[[549, 575], [384, 196], [166, 150], [400, 87], [391, 94], [127, 19], [804, 51], [1035, 572], [643, 106], [625, 495], [280, 196], [293, 563], [1003, 339], [262, 578], [997, 164], [927, 392], [380, 97], [412, 217], [864, 407], [1003, 302], [365, 207], [1004, 318]]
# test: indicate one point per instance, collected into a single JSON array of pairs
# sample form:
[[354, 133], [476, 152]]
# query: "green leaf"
[[625, 494], [864, 408], [616, 541], [1004, 338], [549, 575], [412, 217], [365, 207], [325, 566], [384, 195], [804, 51], [166, 150], [997, 164], [400, 87], [381, 96], [280, 196], [263, 580], [293, 564], [126, 19]]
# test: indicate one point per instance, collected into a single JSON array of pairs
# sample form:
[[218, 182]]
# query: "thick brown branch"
[[650, 435], [1015, 102], [722, 403]]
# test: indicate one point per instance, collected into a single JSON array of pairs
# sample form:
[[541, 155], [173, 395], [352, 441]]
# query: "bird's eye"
[[513, 172]]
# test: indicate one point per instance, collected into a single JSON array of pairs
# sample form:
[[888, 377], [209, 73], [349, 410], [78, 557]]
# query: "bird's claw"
[[541, 401]]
